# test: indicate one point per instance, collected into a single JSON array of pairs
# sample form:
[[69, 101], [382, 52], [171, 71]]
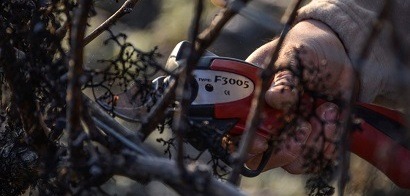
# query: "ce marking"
[[226, 92]]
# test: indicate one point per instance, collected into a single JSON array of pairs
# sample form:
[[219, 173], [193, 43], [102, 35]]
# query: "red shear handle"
[[381, 138], [383, 141]]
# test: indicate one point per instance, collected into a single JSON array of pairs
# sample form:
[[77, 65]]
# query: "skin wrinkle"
[[300, 165], [284, 81], [331, 60], [331, 130], [314, 66], [320, 56], [285, 78], [314, 52]]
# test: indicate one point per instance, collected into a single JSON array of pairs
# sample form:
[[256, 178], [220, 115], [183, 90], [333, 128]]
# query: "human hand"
[[312, 49]]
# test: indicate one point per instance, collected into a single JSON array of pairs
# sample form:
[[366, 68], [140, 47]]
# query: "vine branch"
[[126, 8], [258, 101], [166, 171], [75, 72]]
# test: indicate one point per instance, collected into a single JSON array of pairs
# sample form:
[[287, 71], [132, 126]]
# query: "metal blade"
[[134, 103]]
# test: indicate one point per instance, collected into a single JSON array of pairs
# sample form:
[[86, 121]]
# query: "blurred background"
[[164, 23]]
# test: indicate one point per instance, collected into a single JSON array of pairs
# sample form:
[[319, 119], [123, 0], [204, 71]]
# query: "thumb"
[[283, 93]]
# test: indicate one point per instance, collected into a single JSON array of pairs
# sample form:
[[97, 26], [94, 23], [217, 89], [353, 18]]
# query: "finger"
[[307, 161], [305, 164], [297, 166], [283, 94], [321, 141], [300, 166], [329, 116], [258, 57], [328, 112], [259, 145], [324, 129], [330, 151], [288, 150]]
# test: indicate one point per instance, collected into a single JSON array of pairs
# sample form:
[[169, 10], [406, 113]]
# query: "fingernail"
[[220, 3], [330, 114]]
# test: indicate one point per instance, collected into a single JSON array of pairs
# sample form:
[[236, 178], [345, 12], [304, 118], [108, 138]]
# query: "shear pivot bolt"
[[209, 88]]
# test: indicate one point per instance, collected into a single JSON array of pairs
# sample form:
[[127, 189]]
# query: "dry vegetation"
[[54, 140]]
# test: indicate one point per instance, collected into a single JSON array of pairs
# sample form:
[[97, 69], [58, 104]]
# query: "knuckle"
[[328, 112]]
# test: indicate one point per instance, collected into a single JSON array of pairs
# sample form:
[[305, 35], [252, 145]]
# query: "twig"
[[166, 171], [204, 40], [357, 65], [401, 61], [95, 133], [201, 42], [258, 101], [375, 31], [124, 9], [113, 133], [113, 128], [74, 94], [179, 124]]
